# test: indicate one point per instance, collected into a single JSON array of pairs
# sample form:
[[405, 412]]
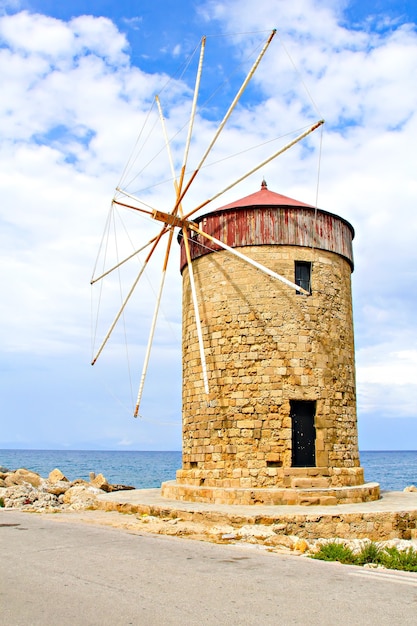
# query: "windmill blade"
[[258, 167], [153, 325], [130, 206], [259, 266], [124, 303], [95, 280], [226, 117], [186, 242], [178, 185], [132, 197], [167, 144], [149, 345], [192, 117], [196, 311]]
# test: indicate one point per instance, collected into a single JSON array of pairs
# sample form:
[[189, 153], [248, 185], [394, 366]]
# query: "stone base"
[[268, 496], [393, 516], [272, 477]]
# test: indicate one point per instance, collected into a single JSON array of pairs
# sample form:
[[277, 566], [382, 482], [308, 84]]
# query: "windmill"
[[269, 404], [176, 219]]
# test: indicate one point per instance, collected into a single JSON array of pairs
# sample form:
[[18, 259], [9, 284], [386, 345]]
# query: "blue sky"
[[78, 78]]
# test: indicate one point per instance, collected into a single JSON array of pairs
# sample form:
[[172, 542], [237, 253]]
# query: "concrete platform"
[[323, 495], [393, 515]]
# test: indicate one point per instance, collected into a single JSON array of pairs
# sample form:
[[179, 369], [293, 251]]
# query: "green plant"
[[1, 503], [335, 552], [370, 553], [391, 558], [406, 560]]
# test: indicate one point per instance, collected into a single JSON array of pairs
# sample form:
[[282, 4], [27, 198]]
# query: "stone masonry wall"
[[265, 345]]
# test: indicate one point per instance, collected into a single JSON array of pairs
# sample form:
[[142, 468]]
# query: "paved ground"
[[390, 501], [74, 574]]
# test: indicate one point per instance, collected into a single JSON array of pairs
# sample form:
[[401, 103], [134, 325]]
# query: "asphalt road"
[[64, 573]]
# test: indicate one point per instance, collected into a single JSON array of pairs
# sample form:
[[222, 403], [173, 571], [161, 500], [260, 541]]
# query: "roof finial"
[[264, 185]]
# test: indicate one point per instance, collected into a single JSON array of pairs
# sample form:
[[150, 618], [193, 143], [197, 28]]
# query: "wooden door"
[[303, 433]]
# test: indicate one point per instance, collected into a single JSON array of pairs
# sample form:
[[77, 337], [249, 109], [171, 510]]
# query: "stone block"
[[328, 500], [311, 482]]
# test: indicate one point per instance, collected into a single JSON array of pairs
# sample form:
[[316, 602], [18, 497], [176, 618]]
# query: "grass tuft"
[[371, 553], [333, 551], [405, 560], [391, 558]]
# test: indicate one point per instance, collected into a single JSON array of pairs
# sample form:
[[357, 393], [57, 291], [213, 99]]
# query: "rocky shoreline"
[[78, 501], [28, 491]]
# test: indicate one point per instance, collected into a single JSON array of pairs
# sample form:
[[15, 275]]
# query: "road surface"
[[69, 574]]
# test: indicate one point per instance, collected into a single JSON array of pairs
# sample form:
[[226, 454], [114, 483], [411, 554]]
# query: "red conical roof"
[[266, 218], [264, 197]]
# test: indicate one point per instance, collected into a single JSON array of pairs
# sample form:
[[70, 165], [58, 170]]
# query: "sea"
[[393, 470]]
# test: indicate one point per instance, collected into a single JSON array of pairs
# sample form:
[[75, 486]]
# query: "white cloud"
[[384, 366], [71, 112]]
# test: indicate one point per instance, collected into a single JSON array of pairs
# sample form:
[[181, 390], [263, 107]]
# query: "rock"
[[56, 476], [121, 487], [146, 519], [278, 528], [80, 497], [410, 488], [283, 550], [45, 501], [283, 541], [26, 489], [301, 546], [59, 487], [21, 476], [17, 496], [100, 482], [255, 532], [400, 544]]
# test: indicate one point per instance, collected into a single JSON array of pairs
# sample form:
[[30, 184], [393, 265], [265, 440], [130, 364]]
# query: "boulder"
[[59, 487], [26, 489], [100, 482], [410, 488], [45, 501], [56, 476], [17, 496], [79, 497], [21, 476]]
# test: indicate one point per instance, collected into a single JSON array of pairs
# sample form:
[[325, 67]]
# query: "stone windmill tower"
[[279, 423]]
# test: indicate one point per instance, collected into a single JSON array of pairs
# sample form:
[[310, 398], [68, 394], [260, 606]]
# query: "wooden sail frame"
[[176, 219]]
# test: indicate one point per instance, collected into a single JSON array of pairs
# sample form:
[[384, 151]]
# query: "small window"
[[303, 275]]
